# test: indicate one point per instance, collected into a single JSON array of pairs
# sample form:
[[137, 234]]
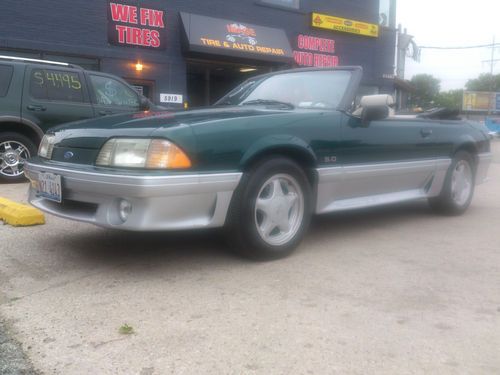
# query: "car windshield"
[[305, 89]]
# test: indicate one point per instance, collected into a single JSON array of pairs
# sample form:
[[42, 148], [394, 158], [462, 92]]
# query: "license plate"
[[49, 187]]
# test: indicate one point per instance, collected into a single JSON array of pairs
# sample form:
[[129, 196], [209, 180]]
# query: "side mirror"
[[374, 113], [144, 103]]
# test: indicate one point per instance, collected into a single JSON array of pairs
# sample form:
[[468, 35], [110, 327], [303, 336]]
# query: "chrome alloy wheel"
[[13, 155], [279, 209], [461, 183]]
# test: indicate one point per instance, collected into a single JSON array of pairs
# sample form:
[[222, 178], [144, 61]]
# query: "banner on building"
[[325, 21], [131, 25], [216, 36], [481, 101]]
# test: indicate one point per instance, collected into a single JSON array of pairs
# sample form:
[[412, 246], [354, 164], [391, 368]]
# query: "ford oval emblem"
[[68, 155]]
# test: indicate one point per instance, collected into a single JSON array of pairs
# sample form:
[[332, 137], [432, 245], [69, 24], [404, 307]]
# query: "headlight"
[[46, 146], [142, 153]]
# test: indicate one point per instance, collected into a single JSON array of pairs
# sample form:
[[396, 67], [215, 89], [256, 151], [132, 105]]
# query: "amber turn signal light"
[[163, 154]]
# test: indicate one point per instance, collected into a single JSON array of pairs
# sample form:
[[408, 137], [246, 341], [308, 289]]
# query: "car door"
[[54, 95], [111, 95], [386, 160]]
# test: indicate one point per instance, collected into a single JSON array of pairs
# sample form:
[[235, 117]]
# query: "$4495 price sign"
[[57, 79]]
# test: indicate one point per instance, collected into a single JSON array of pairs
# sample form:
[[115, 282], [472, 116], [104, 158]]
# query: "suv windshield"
[[305, 89]]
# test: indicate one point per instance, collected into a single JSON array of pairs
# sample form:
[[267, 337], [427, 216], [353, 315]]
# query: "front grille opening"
[[79, 206], [82, 210]]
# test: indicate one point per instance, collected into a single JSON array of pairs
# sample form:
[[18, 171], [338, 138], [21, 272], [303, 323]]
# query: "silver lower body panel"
[[158, 202], [358, 186], [202, 201], [483, 165]]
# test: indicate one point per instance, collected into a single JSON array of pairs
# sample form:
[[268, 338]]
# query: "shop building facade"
[[193, 51]]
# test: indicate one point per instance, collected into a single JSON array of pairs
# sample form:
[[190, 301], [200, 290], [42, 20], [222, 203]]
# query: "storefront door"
[[207, 82]]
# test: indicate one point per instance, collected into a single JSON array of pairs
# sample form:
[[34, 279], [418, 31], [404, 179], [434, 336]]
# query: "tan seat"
[[376, 101]]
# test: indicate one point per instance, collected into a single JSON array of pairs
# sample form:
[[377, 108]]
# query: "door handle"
[[105, 113], [426, 132], [38, 108]]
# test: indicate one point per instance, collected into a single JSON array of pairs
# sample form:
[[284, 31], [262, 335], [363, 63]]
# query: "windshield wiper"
[[268, 102]]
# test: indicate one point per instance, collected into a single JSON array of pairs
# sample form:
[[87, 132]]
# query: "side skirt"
[[368, 185]]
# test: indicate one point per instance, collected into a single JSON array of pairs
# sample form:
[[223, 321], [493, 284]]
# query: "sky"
[[449, 23]]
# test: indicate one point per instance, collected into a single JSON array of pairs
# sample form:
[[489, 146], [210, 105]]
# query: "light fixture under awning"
[[235, 39], [247, 70]]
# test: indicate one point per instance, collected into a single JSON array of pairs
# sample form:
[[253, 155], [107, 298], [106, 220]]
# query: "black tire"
[[8, 174], [446, 202], [242, 222]]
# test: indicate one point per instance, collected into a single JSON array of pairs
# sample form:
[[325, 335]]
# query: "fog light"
[[124, 209]]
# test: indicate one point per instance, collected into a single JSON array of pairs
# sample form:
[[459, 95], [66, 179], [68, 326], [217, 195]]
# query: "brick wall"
[[80, 27]]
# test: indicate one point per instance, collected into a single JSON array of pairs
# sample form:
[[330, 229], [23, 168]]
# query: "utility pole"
[[493, 87], [403, 42], [492, 79]]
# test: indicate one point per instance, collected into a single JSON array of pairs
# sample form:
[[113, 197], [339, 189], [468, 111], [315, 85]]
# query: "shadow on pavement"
[[98, 246], [113, 247], [370, 218]]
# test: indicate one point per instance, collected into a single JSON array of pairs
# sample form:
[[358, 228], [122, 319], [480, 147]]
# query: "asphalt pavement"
[[13, 361], [387, 290]]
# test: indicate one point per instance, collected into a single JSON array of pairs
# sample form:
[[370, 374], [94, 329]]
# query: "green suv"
[[36, 95]]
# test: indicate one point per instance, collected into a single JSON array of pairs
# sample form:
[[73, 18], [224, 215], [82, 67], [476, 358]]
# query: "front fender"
[[279, 143]]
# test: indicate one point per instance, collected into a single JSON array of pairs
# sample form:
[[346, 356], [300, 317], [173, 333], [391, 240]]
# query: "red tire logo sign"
[[240, 33]]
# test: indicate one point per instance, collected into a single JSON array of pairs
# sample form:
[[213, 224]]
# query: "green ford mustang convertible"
[[260, 162]]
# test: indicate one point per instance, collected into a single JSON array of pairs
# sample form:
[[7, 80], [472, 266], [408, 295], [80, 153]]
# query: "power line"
[[463, 47]]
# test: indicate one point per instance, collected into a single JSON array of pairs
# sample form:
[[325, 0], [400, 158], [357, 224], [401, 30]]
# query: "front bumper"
[[172, 202]]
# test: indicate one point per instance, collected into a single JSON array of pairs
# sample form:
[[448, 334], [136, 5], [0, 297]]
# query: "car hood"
[[93, 133]]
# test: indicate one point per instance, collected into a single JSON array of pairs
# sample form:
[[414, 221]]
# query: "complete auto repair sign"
[[314, 51], [132, 25]]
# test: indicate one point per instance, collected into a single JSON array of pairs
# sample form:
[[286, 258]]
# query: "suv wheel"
[[15, 149]]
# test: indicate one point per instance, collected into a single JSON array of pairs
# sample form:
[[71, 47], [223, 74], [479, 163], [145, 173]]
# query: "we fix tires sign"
[[131, 25]]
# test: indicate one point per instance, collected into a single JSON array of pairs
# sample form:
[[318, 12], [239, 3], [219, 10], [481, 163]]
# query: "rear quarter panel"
[[452, 136]]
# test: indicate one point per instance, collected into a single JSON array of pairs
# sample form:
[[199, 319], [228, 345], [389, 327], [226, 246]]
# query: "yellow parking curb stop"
[[19, 215]]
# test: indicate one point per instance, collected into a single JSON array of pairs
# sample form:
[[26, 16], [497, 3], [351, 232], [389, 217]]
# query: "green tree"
[[485, 82], [426, 90], [450, 99]]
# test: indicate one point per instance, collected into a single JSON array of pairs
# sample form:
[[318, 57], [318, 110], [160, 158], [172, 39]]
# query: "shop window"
[[87, 63], [292, 4], [57, 85], [110, 92], [143, 87], [6, 72], [16, 53], [387, 13]]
